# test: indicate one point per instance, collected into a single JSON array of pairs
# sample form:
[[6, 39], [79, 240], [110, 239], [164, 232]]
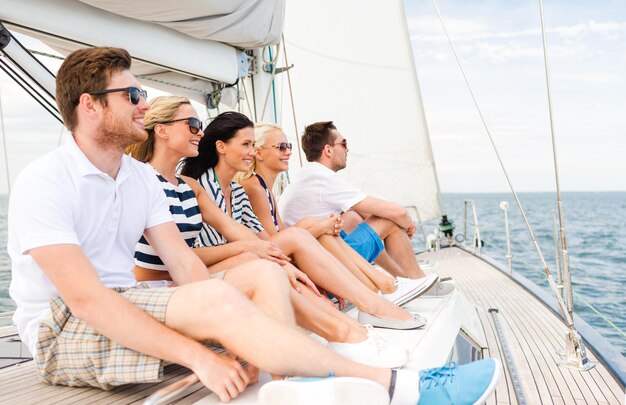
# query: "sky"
[[499, 45]]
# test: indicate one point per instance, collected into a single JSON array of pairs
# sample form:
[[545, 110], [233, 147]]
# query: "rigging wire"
[[4, 146], [564, 253], [293, 107], [568, 319], [533, 266], [271, 62], [30, 90]]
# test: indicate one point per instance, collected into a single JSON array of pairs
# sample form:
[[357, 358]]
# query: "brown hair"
[[315, 137], [85, 71], [163, 108]]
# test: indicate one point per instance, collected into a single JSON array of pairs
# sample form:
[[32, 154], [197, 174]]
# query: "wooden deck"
[[532, 331], [533, 334]]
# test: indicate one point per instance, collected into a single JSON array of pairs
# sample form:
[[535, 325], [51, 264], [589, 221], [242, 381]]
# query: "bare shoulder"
[[192, 183], [251, 185]]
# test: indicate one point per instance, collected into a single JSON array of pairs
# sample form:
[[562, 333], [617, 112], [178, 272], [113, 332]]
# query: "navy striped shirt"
[[186, 214], [240, 205]]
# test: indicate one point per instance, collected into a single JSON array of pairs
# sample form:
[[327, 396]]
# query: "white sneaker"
[[409, 289], [374, 351]]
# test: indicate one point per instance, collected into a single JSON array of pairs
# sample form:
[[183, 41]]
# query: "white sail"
[[353, 65]]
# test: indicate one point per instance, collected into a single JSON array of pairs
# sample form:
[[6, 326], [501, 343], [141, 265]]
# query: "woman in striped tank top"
[[174, 132]]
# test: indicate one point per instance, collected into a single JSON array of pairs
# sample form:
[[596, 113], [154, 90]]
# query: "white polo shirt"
[[318, 192], [62, 198]]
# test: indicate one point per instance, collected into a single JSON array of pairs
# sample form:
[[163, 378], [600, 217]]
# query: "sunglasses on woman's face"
[[283, 147], [195, 125], [134, 94]]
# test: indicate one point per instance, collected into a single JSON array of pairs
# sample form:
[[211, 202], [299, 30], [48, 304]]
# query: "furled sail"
[[353, 65], [182, 47]]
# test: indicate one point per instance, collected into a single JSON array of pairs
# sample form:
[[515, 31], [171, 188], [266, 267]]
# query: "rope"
[[293, 108]]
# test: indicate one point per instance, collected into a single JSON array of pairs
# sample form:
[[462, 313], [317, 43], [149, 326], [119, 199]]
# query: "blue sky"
[[499, 44], [500, 47]]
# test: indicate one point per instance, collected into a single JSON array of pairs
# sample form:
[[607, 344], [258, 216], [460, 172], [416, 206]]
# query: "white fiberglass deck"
[[532, 331]]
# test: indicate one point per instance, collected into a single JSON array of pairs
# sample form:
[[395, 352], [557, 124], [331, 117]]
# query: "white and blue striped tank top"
[[242, 211], [186, 215]]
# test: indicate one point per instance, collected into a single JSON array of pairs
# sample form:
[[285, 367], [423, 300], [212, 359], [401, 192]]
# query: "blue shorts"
[[365, 241]]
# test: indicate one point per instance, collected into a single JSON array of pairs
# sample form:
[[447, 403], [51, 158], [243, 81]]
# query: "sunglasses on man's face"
[[343, 143], [195, 125], [283, 147], [134, 94]]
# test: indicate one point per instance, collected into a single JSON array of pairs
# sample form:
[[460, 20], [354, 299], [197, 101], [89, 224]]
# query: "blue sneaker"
[[327, 391], [459, 385]]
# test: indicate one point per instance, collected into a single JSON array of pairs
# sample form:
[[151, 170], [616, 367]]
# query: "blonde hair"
[[260, 137], [162, 108]]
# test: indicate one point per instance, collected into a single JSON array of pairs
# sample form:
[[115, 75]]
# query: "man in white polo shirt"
[[318, 191]]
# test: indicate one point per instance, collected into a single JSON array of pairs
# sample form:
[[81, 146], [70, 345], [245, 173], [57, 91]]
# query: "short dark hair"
[[315, 137], [223, 128], [85, 71]]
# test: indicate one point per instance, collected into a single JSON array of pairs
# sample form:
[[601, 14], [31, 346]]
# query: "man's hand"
[[221, 374], [411, 230]]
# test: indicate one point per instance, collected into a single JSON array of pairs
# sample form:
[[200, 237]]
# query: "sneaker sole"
[[492, 384], [405, 300], [328, 391]]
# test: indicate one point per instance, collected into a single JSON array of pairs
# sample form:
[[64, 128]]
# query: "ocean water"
[[596, 240]]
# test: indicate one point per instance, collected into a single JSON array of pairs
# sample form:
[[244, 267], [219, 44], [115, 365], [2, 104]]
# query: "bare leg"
[[262, 284], [331, 275], [401, 260], [331, 245], [232, 262], [214, 310], [383, 280], [315, 315]]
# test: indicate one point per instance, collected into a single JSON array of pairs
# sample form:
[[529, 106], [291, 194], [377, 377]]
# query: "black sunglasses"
[[134, 94], [282, 147], [343, 143], [195, 125]]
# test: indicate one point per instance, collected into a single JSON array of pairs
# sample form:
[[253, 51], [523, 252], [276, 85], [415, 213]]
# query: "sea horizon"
[[598, 266]]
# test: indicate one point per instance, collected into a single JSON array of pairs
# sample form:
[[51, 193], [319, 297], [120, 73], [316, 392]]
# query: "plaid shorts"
[[70, 352]]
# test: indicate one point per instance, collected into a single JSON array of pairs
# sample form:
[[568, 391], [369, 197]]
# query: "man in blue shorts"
[[379, 230]]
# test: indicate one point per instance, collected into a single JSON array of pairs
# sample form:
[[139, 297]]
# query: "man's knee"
[[266, 273], [350, 221], [214, 297], [382, 226]]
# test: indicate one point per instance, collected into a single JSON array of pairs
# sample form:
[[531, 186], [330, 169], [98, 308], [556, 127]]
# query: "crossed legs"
[[327, 272], [311, 312]]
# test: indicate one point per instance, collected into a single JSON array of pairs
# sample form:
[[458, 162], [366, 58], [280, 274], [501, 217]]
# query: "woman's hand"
[[332, 225], [295, 275], [266, 250]]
